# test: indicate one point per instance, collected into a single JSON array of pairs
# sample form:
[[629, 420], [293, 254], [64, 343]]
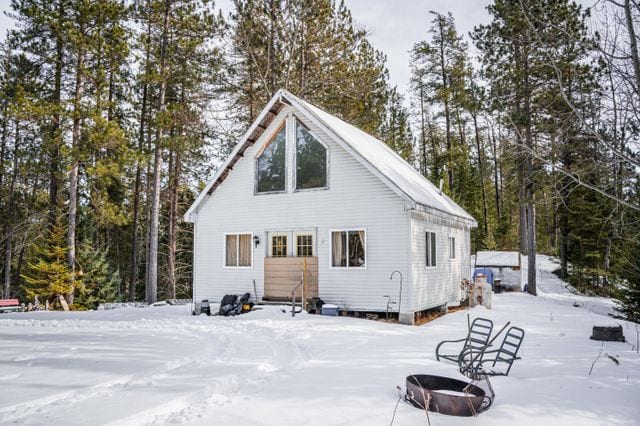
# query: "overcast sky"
[[394, 25]]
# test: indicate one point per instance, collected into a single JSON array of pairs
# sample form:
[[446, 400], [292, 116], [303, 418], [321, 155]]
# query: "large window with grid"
[[279, 245], [304, 245], [237, 250]]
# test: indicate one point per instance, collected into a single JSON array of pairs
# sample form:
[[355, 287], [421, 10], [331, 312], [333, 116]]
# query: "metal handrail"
[[293, 296]]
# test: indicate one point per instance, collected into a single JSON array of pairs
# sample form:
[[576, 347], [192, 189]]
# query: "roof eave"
[[259, 125]]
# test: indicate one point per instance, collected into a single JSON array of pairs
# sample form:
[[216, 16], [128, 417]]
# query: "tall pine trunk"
[[55, 131], [423, 137], [529, 184], [173, 220], [485, 224], [496, 182], [73, 175], [152, 267], [10, 215], [133, 275], [447, 112]]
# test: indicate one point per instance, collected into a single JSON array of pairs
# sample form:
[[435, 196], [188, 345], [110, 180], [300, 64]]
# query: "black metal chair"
[[476, 341], [485, 362]]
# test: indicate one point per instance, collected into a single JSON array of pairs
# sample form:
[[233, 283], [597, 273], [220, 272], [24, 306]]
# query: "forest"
[[113, 115]]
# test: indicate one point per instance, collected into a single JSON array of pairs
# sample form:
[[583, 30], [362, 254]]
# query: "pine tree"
[[438, 67], [311, 48], [49, 276], [396, 130], [99, 283]]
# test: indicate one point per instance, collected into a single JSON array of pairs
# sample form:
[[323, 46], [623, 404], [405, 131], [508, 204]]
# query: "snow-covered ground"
[[553, 288], [161, 365]]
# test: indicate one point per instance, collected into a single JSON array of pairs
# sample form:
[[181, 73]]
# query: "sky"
[[394, 25]]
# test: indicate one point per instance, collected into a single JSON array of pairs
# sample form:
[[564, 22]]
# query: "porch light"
[[256, 240]]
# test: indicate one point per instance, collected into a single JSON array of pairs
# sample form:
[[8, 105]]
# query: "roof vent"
[[440, 189]]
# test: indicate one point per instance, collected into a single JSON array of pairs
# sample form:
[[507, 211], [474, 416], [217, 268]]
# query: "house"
[[306, 197], [505, 266]]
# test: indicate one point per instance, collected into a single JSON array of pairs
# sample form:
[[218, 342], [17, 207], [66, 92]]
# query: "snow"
[[161, 365], [497, 258], [551, 287]]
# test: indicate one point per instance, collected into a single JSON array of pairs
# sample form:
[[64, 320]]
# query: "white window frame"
[[272, 234], [294, 247], [452, 248], [224, 250], [427, 254], [294, 181], [366, 249], [283, 124]]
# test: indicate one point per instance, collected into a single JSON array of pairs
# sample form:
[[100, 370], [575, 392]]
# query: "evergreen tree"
[[99, 283], [438, 74], [311, 48], [396, 130], [49, 276]]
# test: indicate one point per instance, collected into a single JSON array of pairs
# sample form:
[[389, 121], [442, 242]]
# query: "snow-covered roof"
[[375, 154], [498, 258]]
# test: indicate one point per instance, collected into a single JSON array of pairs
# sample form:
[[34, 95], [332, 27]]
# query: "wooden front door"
[[290, 259]]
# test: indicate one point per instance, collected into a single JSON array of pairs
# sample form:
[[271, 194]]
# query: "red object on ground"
[[9, 302]]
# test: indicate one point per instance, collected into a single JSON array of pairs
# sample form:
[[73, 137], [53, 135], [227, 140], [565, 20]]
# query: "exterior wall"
[[435, 286], [356, 199]]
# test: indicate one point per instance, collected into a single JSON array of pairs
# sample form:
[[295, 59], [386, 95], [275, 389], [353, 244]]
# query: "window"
[[348, 249], [270, 166], [311, 160], [279, 245], [452, 248], [304, 245], [237, 250], [431, 249]]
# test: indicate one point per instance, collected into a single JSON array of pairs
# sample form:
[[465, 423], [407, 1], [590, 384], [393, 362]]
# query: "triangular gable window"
[[271, 165], [311, 160]]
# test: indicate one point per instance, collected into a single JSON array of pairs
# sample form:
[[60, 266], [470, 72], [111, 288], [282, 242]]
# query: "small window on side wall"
[[271, 165], [237, 250], [452, 248], [431, 249], [311, 160], [348, 249]]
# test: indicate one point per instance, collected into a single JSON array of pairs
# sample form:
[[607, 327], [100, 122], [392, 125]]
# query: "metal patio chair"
[[497, 362], [476, 341]]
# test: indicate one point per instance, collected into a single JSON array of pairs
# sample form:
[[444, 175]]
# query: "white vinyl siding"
[[354, 198], [435, 286]]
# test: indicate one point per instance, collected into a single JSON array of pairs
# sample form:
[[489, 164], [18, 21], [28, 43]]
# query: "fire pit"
[[448, 396]]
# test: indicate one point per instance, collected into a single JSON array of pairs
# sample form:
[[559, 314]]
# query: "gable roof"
[[373, 153], [498, 258]]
